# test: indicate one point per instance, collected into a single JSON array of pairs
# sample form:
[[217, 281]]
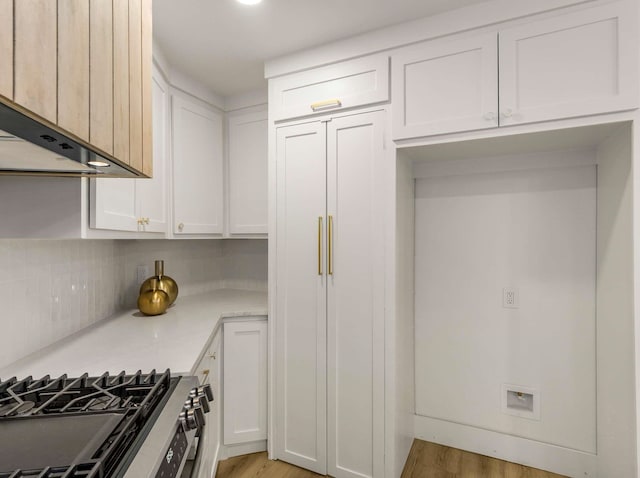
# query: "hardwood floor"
[[426, 460]]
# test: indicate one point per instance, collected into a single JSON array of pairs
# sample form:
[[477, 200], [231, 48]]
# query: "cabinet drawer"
[[342, 85]]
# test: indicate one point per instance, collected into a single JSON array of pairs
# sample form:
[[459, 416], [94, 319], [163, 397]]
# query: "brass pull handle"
[[205, 374], [330, 256], [146, 220], [322, 105], [180, 226], [319, 245], [140, 222]]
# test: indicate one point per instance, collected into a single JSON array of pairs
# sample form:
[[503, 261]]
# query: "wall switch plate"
[[142, 273], [510, 298]]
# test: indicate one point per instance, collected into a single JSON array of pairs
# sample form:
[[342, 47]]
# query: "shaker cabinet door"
[[570, 65], [445, 86], [300, 351], [197, 168]]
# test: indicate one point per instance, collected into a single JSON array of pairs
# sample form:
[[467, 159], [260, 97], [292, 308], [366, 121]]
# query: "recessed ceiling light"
[[249, 2], [99, 164]]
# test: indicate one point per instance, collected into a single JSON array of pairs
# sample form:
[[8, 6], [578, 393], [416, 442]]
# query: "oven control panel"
[[173, 458]]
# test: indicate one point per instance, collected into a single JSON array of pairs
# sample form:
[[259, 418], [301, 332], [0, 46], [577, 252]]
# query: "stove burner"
[[57, 413]]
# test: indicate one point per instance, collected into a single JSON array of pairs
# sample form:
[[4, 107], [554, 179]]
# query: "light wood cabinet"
[[245, 381], [329, 325], [84, 67], [6, 48], [197, 168], [247, 172], [577, 64], [36, 57]]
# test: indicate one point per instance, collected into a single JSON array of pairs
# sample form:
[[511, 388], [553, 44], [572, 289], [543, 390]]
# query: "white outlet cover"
[[510, 298], [516, 411]]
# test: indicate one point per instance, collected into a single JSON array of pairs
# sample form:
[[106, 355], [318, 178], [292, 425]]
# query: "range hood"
[[28, 147]]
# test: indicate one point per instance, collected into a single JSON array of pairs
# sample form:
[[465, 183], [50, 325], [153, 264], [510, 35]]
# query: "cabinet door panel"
[[73, 67], [248, 174], [441, 87], [121, 80], [6, 48], [197, 169], [135, 84], [101, 75], [113, 204], [355, 310], [35, 62], [570, 65], [300, 351], [245, 381]]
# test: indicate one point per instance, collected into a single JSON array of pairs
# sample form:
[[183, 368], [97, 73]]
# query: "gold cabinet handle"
[[319, 245], [330, 255], [322, 105]]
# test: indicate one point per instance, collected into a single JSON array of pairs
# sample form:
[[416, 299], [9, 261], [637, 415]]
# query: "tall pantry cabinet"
[[329, 360]]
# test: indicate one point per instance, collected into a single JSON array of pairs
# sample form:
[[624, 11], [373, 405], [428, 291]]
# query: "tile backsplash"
[[50, 289]]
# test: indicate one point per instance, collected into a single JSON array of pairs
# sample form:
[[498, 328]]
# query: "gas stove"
[[139, 425]]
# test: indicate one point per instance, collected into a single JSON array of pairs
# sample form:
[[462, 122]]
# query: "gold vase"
[[153, 301], [164, 283]]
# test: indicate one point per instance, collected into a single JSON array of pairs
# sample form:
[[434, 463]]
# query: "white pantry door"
[[300, 424], [355, 310]]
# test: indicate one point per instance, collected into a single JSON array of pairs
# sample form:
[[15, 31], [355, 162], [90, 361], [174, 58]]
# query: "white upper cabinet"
[[441, 86], [138, 205], [576, 64], [334, 87], [198, 193], [247, 153], [571, 65]]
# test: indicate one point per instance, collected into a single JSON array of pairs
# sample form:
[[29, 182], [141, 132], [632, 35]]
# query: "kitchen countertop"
[[131, 341]]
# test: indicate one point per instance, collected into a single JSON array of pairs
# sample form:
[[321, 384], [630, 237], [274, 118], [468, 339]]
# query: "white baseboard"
[[557, 459], [229, 451]]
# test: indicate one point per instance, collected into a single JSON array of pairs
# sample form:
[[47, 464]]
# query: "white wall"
[[534, 230], [50, 289]]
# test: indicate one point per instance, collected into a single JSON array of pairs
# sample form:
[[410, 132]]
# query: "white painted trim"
[[229, 451], [557, 459], [246, 100], [468, 18]]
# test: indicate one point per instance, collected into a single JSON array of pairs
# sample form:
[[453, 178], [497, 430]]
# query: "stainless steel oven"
[[120, 426]]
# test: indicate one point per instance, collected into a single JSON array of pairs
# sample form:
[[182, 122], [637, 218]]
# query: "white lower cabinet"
[[245, 381], [329, 349]]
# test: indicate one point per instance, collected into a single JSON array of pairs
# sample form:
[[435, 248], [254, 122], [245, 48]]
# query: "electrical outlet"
[[510, 299], [142, 273]]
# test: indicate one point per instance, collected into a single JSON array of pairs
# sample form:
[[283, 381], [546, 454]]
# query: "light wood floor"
[[426, 460]]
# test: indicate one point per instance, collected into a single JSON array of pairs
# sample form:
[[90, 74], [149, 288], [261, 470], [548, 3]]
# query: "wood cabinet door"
[[245, 381], [355, 304], [6, 48], [36, 57], [197, 168], [248, 173], [73, 67], [300, 351], [445, 86], [571, 65]]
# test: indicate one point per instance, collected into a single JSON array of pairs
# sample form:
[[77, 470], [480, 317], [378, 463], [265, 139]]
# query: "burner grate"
[[132, 397]]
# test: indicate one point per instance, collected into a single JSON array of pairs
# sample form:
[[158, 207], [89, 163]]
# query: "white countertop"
[[131, 341]]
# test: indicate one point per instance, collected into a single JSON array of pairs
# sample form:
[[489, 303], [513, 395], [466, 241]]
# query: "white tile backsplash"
[[50, 289]]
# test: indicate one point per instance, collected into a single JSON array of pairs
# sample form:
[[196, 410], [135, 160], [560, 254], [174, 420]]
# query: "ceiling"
[[224, 44]]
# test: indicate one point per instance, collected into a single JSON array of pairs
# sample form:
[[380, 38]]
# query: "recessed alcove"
[[546, 216]]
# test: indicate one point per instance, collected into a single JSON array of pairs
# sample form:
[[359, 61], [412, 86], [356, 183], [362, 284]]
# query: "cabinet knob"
[[180, 226], [508, 113], [146, 220], [140, 221], [489, 116]]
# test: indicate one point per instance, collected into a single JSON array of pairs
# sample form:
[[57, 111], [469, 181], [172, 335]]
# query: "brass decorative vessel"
[[163, 283], [153, 301]]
